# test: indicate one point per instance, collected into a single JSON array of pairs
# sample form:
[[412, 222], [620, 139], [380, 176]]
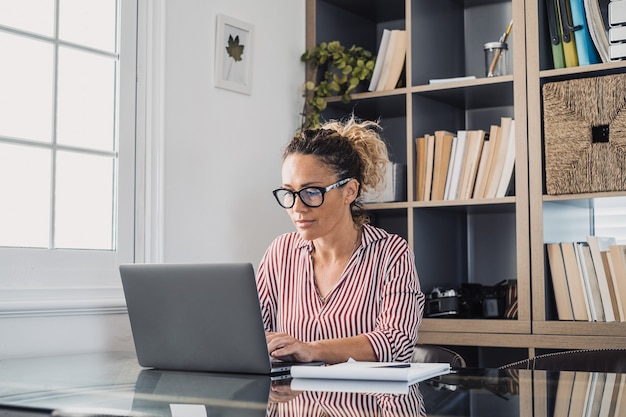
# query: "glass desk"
[[114, 384]]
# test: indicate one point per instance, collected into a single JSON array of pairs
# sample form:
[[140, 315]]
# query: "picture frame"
[[234, 49]]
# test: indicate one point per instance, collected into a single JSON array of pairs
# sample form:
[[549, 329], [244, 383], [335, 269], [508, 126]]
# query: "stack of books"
[[589, 394], [589, 279], [578, 32], [390, 60], [467, 164], [617, 29]]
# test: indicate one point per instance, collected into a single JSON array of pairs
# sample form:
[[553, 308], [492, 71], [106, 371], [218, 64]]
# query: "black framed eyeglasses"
[[310, 196]]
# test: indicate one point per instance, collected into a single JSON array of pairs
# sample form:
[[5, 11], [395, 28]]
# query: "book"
[[473, 148], [617, 256], [613, 289], [617, 34], [499, 156], [597, 245], [421, 145], [373, 371], [344, 385], [563, 394], [597, 27], [608, 395], [556, 45], [451, 80], [461, 142], [585, 48], [446, 191], [398, 61], [590, 281], [430, 156], [508, 165], [559, 281], [486, 159], [380, 59], [443, 148], [617, 50], [567, 34], [578, 295], [580, 394], [594, 397], [393, 61], [617, 12]]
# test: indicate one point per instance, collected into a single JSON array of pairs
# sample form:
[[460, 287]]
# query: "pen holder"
[[495, 58]]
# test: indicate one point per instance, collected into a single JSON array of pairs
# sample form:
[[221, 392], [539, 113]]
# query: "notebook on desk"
[[197, 317]]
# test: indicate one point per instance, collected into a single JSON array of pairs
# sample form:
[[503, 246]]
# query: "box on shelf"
[[585, 135], [394, 189]]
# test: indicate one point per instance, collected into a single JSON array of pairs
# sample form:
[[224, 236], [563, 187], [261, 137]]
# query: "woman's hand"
[[287, 348]]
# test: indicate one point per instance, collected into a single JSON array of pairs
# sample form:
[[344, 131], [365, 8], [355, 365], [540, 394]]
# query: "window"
[[67, 139], [610, 218]]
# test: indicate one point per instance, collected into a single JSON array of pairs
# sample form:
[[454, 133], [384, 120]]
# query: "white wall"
[[223, 148], [221, 159]]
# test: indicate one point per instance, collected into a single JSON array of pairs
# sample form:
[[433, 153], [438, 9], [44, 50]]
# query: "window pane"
[[84, 208], [25, 196], [86, 100], [29, 15], [610, 218], [89, 23], [26, 88]]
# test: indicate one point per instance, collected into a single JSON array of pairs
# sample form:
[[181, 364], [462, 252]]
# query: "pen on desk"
[[503, 39]]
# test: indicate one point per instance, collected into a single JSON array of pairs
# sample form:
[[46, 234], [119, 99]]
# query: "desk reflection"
[[333, 403]]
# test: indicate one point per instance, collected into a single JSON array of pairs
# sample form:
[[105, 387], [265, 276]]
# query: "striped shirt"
[[378, 294], [348, 404]]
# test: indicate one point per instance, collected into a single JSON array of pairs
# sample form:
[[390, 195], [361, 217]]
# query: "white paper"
[[374, 371]]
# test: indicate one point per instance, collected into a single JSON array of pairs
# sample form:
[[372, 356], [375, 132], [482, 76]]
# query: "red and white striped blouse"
[[378, 294]]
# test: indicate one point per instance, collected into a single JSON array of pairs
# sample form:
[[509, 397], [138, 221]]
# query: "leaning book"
[[373, 371]]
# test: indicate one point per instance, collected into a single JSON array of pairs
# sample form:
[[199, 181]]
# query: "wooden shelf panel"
[[478, 326]]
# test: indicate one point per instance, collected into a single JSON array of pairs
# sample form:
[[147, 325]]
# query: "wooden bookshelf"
[[478, 240]]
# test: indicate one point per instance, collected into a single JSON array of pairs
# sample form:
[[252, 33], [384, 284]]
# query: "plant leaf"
[[234, 50]]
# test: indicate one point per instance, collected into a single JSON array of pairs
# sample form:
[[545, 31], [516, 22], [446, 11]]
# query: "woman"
[[337, 288]]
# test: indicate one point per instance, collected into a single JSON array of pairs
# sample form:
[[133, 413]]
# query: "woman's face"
[[301, 171]]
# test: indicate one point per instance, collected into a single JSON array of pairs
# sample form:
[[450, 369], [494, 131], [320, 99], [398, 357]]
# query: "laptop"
[[198, 317]]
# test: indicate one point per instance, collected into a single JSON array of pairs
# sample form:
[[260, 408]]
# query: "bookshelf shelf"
[[555, 218], [477, 240]]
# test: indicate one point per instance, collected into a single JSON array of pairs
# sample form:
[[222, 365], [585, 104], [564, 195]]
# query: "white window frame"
[[39, 282]]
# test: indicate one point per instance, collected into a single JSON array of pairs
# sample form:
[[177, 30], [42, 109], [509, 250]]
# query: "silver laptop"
[[197, 317]]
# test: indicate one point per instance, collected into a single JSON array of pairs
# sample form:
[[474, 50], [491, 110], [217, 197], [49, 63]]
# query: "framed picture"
[[233, 54]]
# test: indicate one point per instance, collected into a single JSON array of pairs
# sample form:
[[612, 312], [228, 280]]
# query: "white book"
[[592, 301], [458, 165], [617, 50], [343, 385], [373, 371], [617, 34], [509, 163], [451, 80], [446, 191], [380, 60], [597, 245], [617, 12]]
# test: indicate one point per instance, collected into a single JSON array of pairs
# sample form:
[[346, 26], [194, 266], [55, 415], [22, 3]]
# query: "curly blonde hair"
[[351, 149]]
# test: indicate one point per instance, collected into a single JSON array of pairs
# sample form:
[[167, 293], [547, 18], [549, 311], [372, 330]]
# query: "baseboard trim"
[[43, 302]]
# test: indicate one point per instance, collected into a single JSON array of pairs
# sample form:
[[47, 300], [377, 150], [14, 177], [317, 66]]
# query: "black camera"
[[442, 303]]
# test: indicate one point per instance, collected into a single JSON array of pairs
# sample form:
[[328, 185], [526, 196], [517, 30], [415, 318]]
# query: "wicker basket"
[[585, 135]]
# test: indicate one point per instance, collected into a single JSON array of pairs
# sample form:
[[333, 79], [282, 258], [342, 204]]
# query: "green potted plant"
[[334, 71]]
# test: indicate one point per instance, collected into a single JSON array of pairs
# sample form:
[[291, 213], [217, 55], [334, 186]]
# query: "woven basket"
[[585, 135]]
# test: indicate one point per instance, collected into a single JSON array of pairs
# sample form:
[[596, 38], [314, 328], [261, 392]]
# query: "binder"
[[555, 36], [585, 49], [567, 34]]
